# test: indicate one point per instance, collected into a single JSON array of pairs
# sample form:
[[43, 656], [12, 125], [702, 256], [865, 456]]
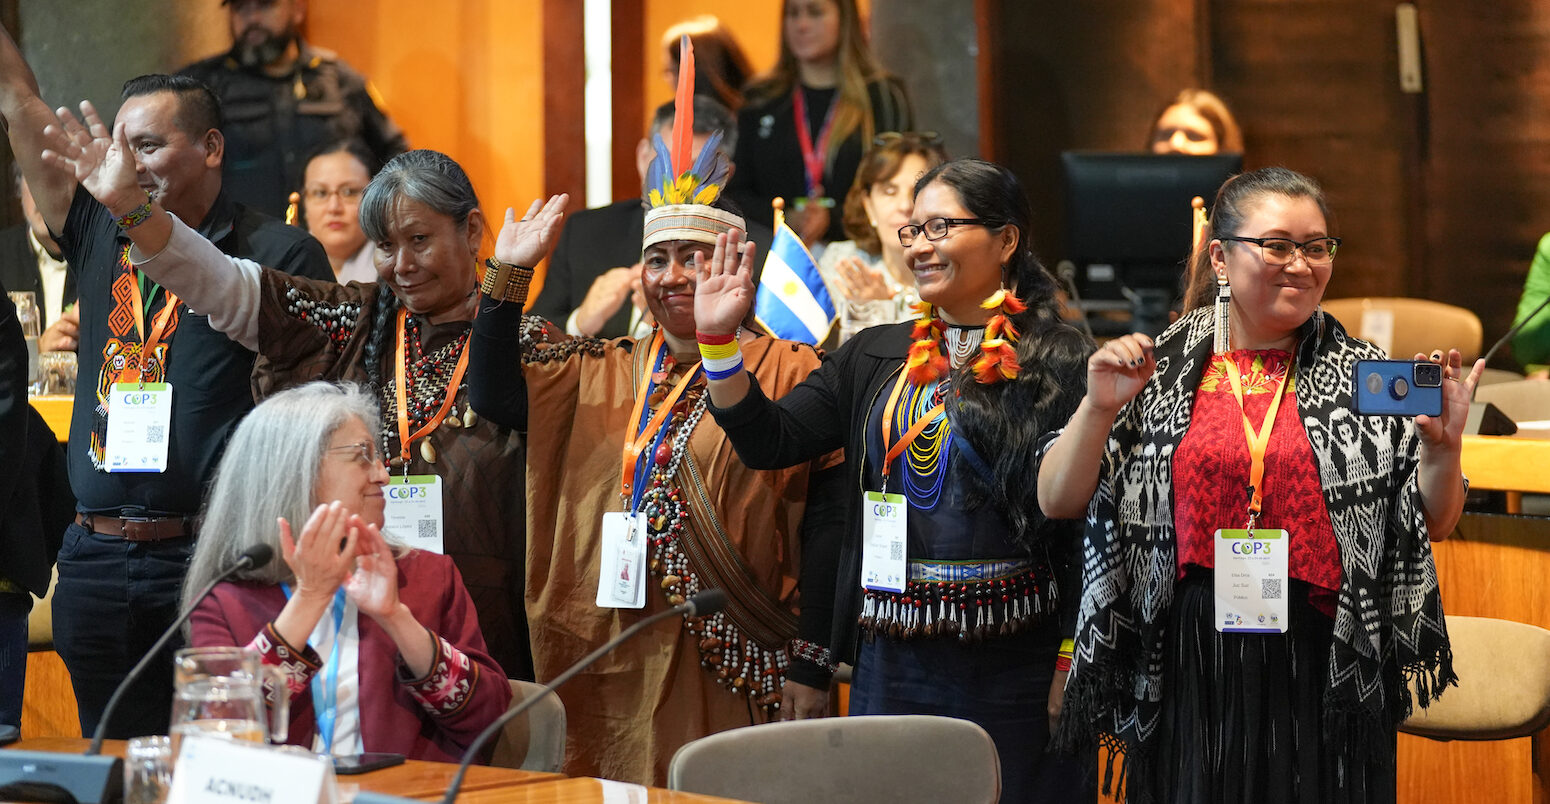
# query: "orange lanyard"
[[400, 372], [134, 372], [1260, 441], [920, 425], [632, 448]]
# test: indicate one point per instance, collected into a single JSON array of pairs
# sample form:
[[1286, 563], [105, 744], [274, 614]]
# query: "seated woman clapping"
[[406, 669]]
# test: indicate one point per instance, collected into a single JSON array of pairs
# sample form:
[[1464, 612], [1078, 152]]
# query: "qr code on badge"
[[896, 551], [155, 434], [427, 528], [1270, 588]]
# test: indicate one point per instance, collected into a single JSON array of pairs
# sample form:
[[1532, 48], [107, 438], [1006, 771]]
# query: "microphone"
[[92, 777], [1511, 332], [705, 603], [1065, 270]]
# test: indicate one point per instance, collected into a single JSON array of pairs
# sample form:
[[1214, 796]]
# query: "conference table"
[[427, 781]]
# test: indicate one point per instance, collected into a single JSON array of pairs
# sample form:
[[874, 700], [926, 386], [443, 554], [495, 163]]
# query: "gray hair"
[[430, 177], [269, 470]]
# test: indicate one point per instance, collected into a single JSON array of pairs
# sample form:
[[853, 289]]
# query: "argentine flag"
[[792, 301]]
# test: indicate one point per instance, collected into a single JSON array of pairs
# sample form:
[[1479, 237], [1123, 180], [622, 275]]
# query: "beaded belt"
[[973, 600]]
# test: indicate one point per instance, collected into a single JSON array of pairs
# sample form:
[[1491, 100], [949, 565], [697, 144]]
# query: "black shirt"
[[273, 124], [210, 374]]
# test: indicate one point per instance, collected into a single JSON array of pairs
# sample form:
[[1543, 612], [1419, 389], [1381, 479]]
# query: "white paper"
[[139, 419], [214, 771], [622, 562]]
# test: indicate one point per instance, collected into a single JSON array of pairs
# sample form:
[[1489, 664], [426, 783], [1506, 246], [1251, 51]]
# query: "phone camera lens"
[[1428, 375], [1374, 383], [1400, 388]]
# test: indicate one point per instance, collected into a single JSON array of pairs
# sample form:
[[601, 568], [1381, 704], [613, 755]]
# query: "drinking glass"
[[31, 319], [147, 770], [219, 692]]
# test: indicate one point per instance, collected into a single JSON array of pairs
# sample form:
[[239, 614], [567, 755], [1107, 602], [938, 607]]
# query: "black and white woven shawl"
[[1388, 625]]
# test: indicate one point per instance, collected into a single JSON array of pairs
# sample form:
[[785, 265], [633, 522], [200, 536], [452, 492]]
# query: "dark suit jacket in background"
[[595, 241], [19, 267]]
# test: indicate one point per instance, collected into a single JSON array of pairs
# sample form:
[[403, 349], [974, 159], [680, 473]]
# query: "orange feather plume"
[[683, 108]]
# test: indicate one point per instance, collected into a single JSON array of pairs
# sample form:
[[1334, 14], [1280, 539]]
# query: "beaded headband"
[[679, 194]]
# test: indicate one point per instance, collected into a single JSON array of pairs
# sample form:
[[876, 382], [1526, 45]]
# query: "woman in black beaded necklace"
[[405, 335]]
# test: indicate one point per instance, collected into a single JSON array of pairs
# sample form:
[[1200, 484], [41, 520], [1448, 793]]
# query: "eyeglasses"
[[928, 139], [362, 452], [349, 195], [1281, 251], [934, 229]]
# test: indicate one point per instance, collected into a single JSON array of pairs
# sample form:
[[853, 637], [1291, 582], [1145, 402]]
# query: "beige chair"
[[1503, 690], [535, 742], [1404, 327], [894, 758]]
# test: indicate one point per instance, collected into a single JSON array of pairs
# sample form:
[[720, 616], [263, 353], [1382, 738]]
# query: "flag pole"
[[780, 211]]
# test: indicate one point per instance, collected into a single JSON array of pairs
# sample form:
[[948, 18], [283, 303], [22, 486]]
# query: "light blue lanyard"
[[325, 691]]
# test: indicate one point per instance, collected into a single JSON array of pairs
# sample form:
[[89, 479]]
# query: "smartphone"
[[351, 764], [1397, 388]]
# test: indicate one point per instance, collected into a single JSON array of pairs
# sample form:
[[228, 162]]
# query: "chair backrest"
[[894, 758], [1504, 683], [1404, 327], [535, 742]]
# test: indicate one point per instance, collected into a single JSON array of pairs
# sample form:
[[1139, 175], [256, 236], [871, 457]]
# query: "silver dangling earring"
[[1221, 341]]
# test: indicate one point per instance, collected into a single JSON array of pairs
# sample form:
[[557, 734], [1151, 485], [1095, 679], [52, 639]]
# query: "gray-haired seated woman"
[[406, 670]]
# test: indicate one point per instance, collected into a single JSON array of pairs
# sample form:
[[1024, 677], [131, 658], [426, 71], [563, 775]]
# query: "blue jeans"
[[14, 609], [113, 600]]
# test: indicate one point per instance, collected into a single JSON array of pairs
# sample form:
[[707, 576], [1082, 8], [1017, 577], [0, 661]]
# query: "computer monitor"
[[1128, 223]]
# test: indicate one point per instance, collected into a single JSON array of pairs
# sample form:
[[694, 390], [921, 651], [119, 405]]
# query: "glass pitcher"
[[219, 692]]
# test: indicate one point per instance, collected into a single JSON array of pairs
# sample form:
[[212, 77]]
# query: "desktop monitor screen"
[[1128, 215]]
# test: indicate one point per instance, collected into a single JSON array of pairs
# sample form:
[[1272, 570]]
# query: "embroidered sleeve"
[[449, 685], [298, 665]]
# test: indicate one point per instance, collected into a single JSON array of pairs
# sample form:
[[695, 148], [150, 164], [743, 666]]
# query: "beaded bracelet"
[[136, 216], [720, 355], [813, 653], [505, 282], [1063, 656]]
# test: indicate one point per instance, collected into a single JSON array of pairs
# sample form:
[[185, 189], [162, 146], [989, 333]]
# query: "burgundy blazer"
[[434, 717]]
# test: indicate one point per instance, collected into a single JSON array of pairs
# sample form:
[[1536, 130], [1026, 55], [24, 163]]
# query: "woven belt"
[[138, 529], [967, 571]]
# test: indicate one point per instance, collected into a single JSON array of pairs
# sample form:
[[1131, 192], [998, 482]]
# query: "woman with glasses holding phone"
[[805, 122], [1258, 586], [868, 274], [332, 185], [379, 643], [958, 609]]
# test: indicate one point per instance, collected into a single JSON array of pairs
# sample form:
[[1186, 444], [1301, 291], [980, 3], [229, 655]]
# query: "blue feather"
[[711, 166], [659, 174]]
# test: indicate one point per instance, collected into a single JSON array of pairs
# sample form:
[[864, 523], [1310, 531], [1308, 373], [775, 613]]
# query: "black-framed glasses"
[[319, 195], [934, 229], [928, 139], [1282, 250], [362, 452]]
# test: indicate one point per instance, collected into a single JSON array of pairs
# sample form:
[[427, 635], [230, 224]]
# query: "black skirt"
[[1242, 713]]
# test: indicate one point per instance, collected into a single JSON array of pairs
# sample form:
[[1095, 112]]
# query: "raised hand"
[[863, 282], [607, 294], [322, 558], [526, 241], [724, 289], [374, 584], [101, 162], [1446, 432], [1118, 371]]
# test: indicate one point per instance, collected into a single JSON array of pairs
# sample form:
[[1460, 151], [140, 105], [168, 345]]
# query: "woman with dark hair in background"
[[806, 121], [940, 418], [1196, 123], [1237, 422], [332, 184], [404, 337], [721, 67], [868, 275]]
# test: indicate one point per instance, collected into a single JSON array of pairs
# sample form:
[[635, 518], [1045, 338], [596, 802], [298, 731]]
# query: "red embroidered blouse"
[[1211, 473]]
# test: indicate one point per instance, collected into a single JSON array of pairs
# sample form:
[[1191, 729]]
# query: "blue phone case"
[[1390, 388]]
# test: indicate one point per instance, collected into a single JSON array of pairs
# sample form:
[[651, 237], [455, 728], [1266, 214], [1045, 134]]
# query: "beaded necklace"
[[432, 382], [737, 663]]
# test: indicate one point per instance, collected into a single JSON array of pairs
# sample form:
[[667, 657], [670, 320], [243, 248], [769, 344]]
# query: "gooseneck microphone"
[[92, 777], [1515, 329], [252, 558], [707, 602]]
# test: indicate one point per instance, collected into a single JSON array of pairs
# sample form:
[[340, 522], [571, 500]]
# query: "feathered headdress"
[[678, 193]]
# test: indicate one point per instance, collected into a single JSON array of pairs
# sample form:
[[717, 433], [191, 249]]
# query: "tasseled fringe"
[[973, 612]]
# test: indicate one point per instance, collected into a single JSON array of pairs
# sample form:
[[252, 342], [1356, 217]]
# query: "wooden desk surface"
[[55, 411], [413, 779]]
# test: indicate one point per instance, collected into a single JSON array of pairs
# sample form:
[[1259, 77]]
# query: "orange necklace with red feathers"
[[998, 349]]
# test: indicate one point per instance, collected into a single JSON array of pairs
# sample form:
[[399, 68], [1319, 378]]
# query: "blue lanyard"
[[643, 468], [325, 691]]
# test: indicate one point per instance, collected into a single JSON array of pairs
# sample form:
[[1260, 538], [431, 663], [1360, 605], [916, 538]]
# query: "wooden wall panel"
[[1087, 75], [1488, 165], [1314, 85]]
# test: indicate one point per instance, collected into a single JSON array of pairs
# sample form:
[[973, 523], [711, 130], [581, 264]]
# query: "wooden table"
[[582, 791], [55, 411], [413, 779]]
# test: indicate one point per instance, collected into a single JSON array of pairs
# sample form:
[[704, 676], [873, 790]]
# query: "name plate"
[[214, 771]]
